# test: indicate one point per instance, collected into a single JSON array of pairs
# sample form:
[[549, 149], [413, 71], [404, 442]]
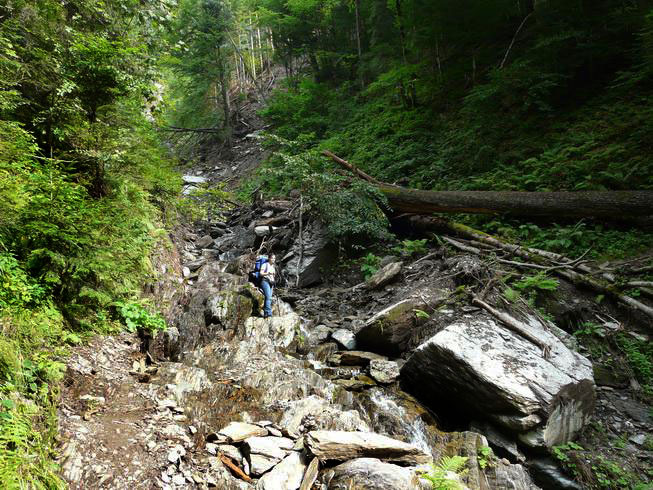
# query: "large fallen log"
[[615, 205]]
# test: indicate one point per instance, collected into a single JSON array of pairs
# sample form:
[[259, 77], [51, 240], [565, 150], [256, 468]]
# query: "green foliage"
[[590, 329], [25, 453], [409, 248], [538, 281], [421, 314], [561, 452], [137, 317], [439, 478], [639, 355], [593, 241], [352, 211], [204, 203], [597, 471], [485, 457], [370, 265], [84, 180]]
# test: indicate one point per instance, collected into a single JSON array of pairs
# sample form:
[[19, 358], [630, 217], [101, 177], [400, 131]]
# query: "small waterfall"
[[393, 417]]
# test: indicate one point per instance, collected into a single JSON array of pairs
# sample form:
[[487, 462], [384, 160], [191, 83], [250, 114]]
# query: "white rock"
[[264, 230], [231, 451], [287, 475], [274, 447], [345, 338], [370, 473], [193, 179], [239, 431], [384, 275], [639, 439], [481, 364]]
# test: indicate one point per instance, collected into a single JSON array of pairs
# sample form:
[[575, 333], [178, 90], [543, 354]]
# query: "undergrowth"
[[71, 264]]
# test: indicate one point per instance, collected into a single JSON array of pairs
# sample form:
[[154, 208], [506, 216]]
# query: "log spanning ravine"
[[611, 205]]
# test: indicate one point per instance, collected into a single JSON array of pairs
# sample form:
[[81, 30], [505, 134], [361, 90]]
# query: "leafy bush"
[[538, 281], [25, 454], [351, 210], [137, 317], [411, 247], [370, 265], [640, 358]]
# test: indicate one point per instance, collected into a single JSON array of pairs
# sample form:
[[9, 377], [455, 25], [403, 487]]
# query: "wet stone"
[[384, 371]]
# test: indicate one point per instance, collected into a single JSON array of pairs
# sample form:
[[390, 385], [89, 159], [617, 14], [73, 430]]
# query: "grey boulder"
[[498, 374], [345, 338], [371, 474], [384, 275]]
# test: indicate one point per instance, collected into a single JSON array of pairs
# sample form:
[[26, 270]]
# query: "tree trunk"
[[402, 32], [224, 92], [619, 205], [595, 204], [357, 4]]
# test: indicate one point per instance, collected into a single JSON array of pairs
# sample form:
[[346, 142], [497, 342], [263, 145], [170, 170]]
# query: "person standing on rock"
[[268, 273]]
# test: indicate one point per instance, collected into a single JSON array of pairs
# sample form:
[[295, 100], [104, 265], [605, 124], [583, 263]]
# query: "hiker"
[[268, 272]]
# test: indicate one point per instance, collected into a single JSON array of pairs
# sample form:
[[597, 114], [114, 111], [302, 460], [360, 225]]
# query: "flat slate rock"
[[342, 446], [239, 431], [384, 275], [359, 358]]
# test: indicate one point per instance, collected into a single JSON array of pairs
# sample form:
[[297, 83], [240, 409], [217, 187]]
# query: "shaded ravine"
[[256, 374], [155, 426], [129, 423]]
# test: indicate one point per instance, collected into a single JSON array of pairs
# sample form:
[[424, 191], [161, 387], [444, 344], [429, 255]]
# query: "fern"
[[440, 478]]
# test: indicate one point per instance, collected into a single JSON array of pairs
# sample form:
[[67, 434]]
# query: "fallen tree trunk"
[[616, 205]]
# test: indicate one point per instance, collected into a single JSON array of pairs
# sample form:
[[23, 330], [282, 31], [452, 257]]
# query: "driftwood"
[[176, 129], [274, 221], [565, 271], [570, 269], [276, 205], [234, 467], [615, 205]]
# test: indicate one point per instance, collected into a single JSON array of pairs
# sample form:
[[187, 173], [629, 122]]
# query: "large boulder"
[[317, 252], [489, 371], [280, 330], [342, 445], [371, 474], [388, 331]]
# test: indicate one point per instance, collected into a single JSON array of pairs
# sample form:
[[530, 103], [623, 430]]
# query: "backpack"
[[255, 275]]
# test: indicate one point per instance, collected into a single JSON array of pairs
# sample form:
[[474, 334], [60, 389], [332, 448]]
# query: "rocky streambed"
[[367, 385]]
